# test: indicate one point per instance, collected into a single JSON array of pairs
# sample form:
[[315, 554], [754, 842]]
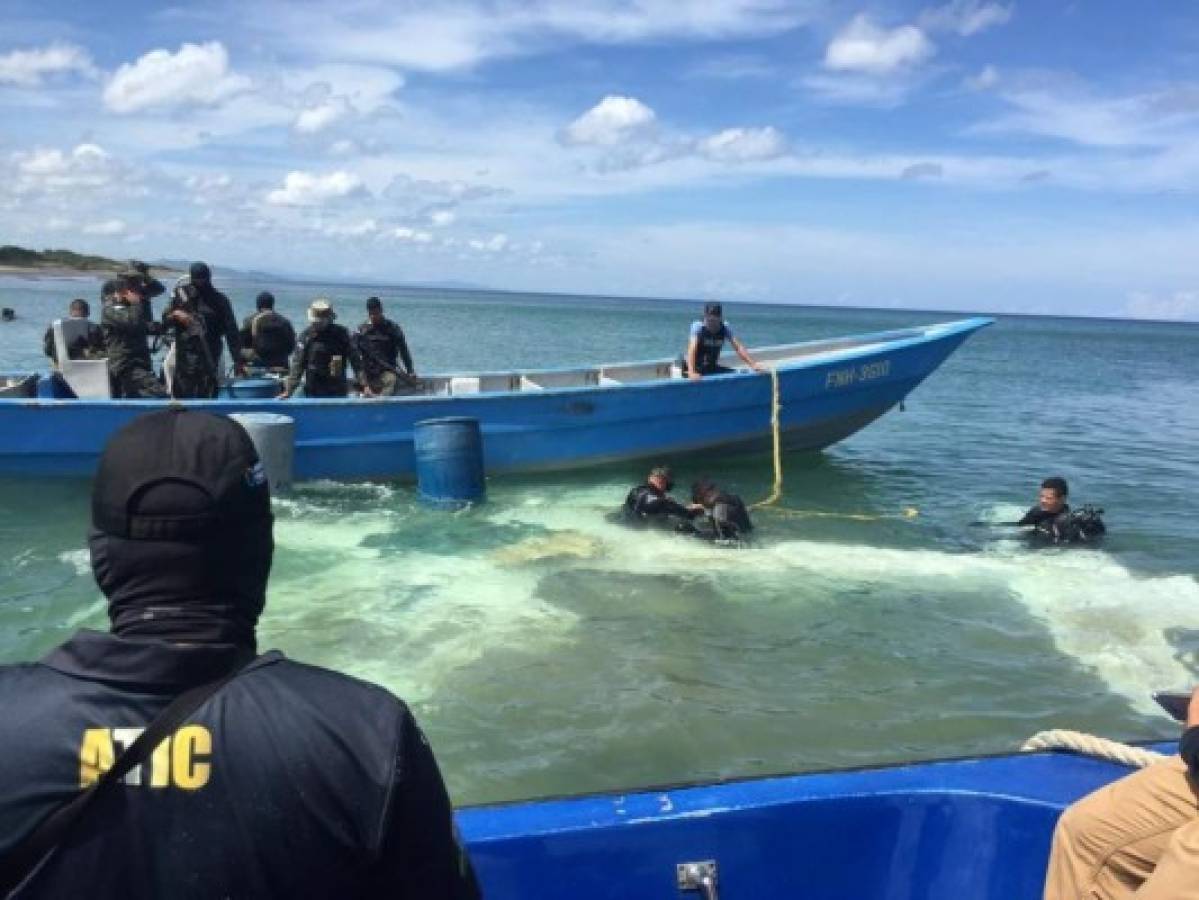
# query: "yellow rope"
[[775, 407]]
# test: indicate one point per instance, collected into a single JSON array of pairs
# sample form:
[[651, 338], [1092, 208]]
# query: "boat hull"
[[975, 828], [824, 399]]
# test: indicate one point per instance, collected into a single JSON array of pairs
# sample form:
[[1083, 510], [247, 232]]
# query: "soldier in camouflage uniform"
[[127, 323]]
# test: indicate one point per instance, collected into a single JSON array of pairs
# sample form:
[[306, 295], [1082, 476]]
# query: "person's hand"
[[1193, 709], [757, 367], [366, 391], [695, 507], [695, 376], [284, 395], [239, 368], [181, 316]]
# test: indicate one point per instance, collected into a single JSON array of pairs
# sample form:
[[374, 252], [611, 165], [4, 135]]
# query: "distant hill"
[[13, 257]]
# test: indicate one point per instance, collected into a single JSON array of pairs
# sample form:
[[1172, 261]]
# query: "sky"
[[1038, 157]]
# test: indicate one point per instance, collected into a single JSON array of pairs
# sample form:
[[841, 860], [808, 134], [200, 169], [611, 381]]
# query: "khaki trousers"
[[1137, 837]]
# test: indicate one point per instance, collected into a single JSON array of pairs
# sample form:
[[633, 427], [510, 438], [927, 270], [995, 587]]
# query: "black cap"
[[199, 271], [374, 303], [713, 309], [110, 287], [179, 475], [265, 300]]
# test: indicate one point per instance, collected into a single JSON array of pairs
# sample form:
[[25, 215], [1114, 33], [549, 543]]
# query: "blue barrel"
[[449, 462], [252, 388]]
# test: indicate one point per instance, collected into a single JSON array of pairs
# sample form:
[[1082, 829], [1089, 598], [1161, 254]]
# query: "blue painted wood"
[[824, 399], [972, 829]]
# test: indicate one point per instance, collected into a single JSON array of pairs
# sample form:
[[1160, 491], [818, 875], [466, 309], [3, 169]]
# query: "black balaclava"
[[201, 276], [181, 539]]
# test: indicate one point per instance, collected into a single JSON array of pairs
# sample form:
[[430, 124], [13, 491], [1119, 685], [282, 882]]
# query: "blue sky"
[[969, 154]]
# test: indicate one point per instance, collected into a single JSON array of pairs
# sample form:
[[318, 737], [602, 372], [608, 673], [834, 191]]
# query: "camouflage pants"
[[137, 383], [193, 385], [388, 384]]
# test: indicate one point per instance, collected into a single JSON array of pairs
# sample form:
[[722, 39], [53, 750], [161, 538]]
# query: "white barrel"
[[274, 438]]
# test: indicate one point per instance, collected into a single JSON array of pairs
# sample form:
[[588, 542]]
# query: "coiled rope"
[[1090, 745]]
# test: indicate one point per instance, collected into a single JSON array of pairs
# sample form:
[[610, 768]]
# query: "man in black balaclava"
[[289, 781], [217, 312]]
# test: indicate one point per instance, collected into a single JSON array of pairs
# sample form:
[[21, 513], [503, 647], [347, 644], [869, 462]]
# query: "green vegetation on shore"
[[20, 258]]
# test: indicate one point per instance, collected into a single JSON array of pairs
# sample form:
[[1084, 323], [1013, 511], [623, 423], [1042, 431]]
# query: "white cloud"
[[309, 189], [196, 74], [361, 228], [88, 167], [466, 33], [984, 80], [966, 17], [922, 170], [319, 117], [411, 235], [107, 228], [859, 90], [611, 121], [862, 46], [441, 218], [497, 243], [743, 145], [1179, 306], [28, 68]]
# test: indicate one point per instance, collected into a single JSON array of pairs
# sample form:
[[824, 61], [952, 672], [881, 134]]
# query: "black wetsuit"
[[320, 360], [291, 781], [727, 520], [270, 336], [1064, 527], [646, 505]]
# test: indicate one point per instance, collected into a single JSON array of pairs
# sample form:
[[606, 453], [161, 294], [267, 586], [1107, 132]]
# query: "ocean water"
[[547, 651]]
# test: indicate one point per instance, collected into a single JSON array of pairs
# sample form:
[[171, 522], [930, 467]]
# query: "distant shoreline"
[[37, 273]]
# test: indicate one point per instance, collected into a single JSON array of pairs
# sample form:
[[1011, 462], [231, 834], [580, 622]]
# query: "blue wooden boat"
[[548, 419], [966, 829]]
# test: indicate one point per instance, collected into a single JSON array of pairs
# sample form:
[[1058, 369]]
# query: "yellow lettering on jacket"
[[192, 744], [95, 755], [183, 761]]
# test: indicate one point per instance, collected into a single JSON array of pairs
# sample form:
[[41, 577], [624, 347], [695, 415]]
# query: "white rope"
[[1090, 745]]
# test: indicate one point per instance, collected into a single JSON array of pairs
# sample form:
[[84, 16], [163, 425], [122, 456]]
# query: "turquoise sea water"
[[547, 651]]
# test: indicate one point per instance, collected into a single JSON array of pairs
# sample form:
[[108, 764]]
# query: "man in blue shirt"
[[706, 343]]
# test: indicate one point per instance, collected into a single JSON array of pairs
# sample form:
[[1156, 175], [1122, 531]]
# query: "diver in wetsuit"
[[727, 520], [650, 504], [1053, 522]]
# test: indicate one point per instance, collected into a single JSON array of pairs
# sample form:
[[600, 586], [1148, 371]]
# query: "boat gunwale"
[[868, 344]]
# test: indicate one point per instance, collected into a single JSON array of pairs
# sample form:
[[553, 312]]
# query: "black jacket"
[[292, 781], [382, 346], [219, 321], [319, 345], [271, 336]]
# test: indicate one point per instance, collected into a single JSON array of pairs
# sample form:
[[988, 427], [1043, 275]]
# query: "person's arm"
[[48, 345], [744, 354], [1032, 517], [232, 333], [1188, 747], [692, 353], [247, 332], [420, 854], [296, 372], [405, 356]]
